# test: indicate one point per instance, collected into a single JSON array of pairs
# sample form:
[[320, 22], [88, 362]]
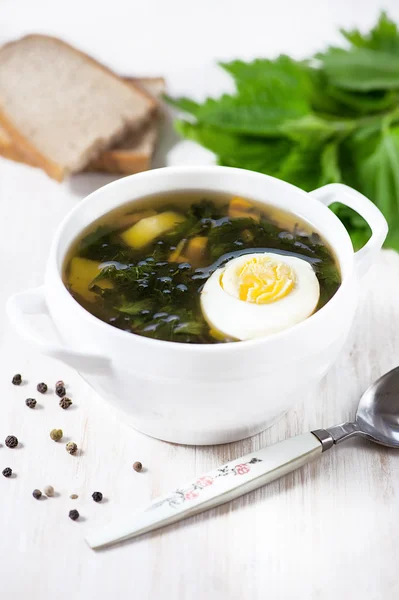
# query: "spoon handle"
[[229, 481]]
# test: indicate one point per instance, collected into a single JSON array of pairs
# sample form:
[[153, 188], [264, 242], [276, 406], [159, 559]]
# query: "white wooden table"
[[327, 531]]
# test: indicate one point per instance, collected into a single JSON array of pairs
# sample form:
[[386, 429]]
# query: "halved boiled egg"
[[255, 295]]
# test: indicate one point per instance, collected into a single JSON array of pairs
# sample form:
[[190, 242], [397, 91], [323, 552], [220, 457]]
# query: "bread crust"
[[121, 162], [22, 150], [124, 161], [8, 149]]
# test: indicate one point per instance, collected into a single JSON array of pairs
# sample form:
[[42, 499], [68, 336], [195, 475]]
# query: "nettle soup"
[[201, 268]]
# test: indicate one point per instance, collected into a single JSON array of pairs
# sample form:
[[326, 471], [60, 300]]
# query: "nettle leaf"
[[363, 103], [269, 164], [372, 62], [254, 112], [134, 308], [189, 328], [321, 101], [329, 164], [383, 37], [283, 71], [302, 166], [268, 94], [376, 156], [361, 69], [316, 129], [183, 104], [328, 100], [222, 142], [263, 155]]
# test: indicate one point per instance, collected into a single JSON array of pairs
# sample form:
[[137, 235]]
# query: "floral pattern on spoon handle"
[[193, 491]]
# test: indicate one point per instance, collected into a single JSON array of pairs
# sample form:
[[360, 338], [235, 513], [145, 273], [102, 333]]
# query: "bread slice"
[[60, 107], [132, 155]]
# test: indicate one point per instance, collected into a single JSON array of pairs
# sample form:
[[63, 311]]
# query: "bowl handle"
[[339, 192], [20, 307]]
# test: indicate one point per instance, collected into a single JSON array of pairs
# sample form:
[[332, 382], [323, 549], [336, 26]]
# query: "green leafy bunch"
[[332, 118]]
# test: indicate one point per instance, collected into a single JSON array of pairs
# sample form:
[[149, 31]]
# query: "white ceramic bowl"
[[202, 394]]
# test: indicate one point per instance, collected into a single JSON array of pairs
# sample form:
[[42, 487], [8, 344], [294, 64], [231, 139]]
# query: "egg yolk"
[[262, 280]]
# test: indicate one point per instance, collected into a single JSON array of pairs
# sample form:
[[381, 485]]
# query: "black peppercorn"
[[59, 383], [17, 379], [31, 402], [11, 441], [137, 466], [65, 402], [60, 391], [7, 472], [37, 494], [42, 388], [73, 514], [97, 496]]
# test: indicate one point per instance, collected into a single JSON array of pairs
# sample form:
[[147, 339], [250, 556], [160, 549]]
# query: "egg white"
[[243, 320]]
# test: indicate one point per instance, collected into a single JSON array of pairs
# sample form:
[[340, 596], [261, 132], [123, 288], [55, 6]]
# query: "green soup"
[[142, 267]]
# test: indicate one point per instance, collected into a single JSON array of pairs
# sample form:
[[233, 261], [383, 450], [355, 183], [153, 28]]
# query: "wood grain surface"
[[327, 531]]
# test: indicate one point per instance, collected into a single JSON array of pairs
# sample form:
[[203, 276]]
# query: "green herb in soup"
[[201, 268]]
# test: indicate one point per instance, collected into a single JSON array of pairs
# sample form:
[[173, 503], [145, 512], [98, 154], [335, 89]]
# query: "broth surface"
[[148, 279]]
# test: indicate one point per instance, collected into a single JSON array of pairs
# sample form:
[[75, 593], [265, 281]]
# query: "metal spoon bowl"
[[377, 417]]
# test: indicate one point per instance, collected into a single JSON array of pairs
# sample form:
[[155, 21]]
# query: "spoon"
[[377, 419]]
